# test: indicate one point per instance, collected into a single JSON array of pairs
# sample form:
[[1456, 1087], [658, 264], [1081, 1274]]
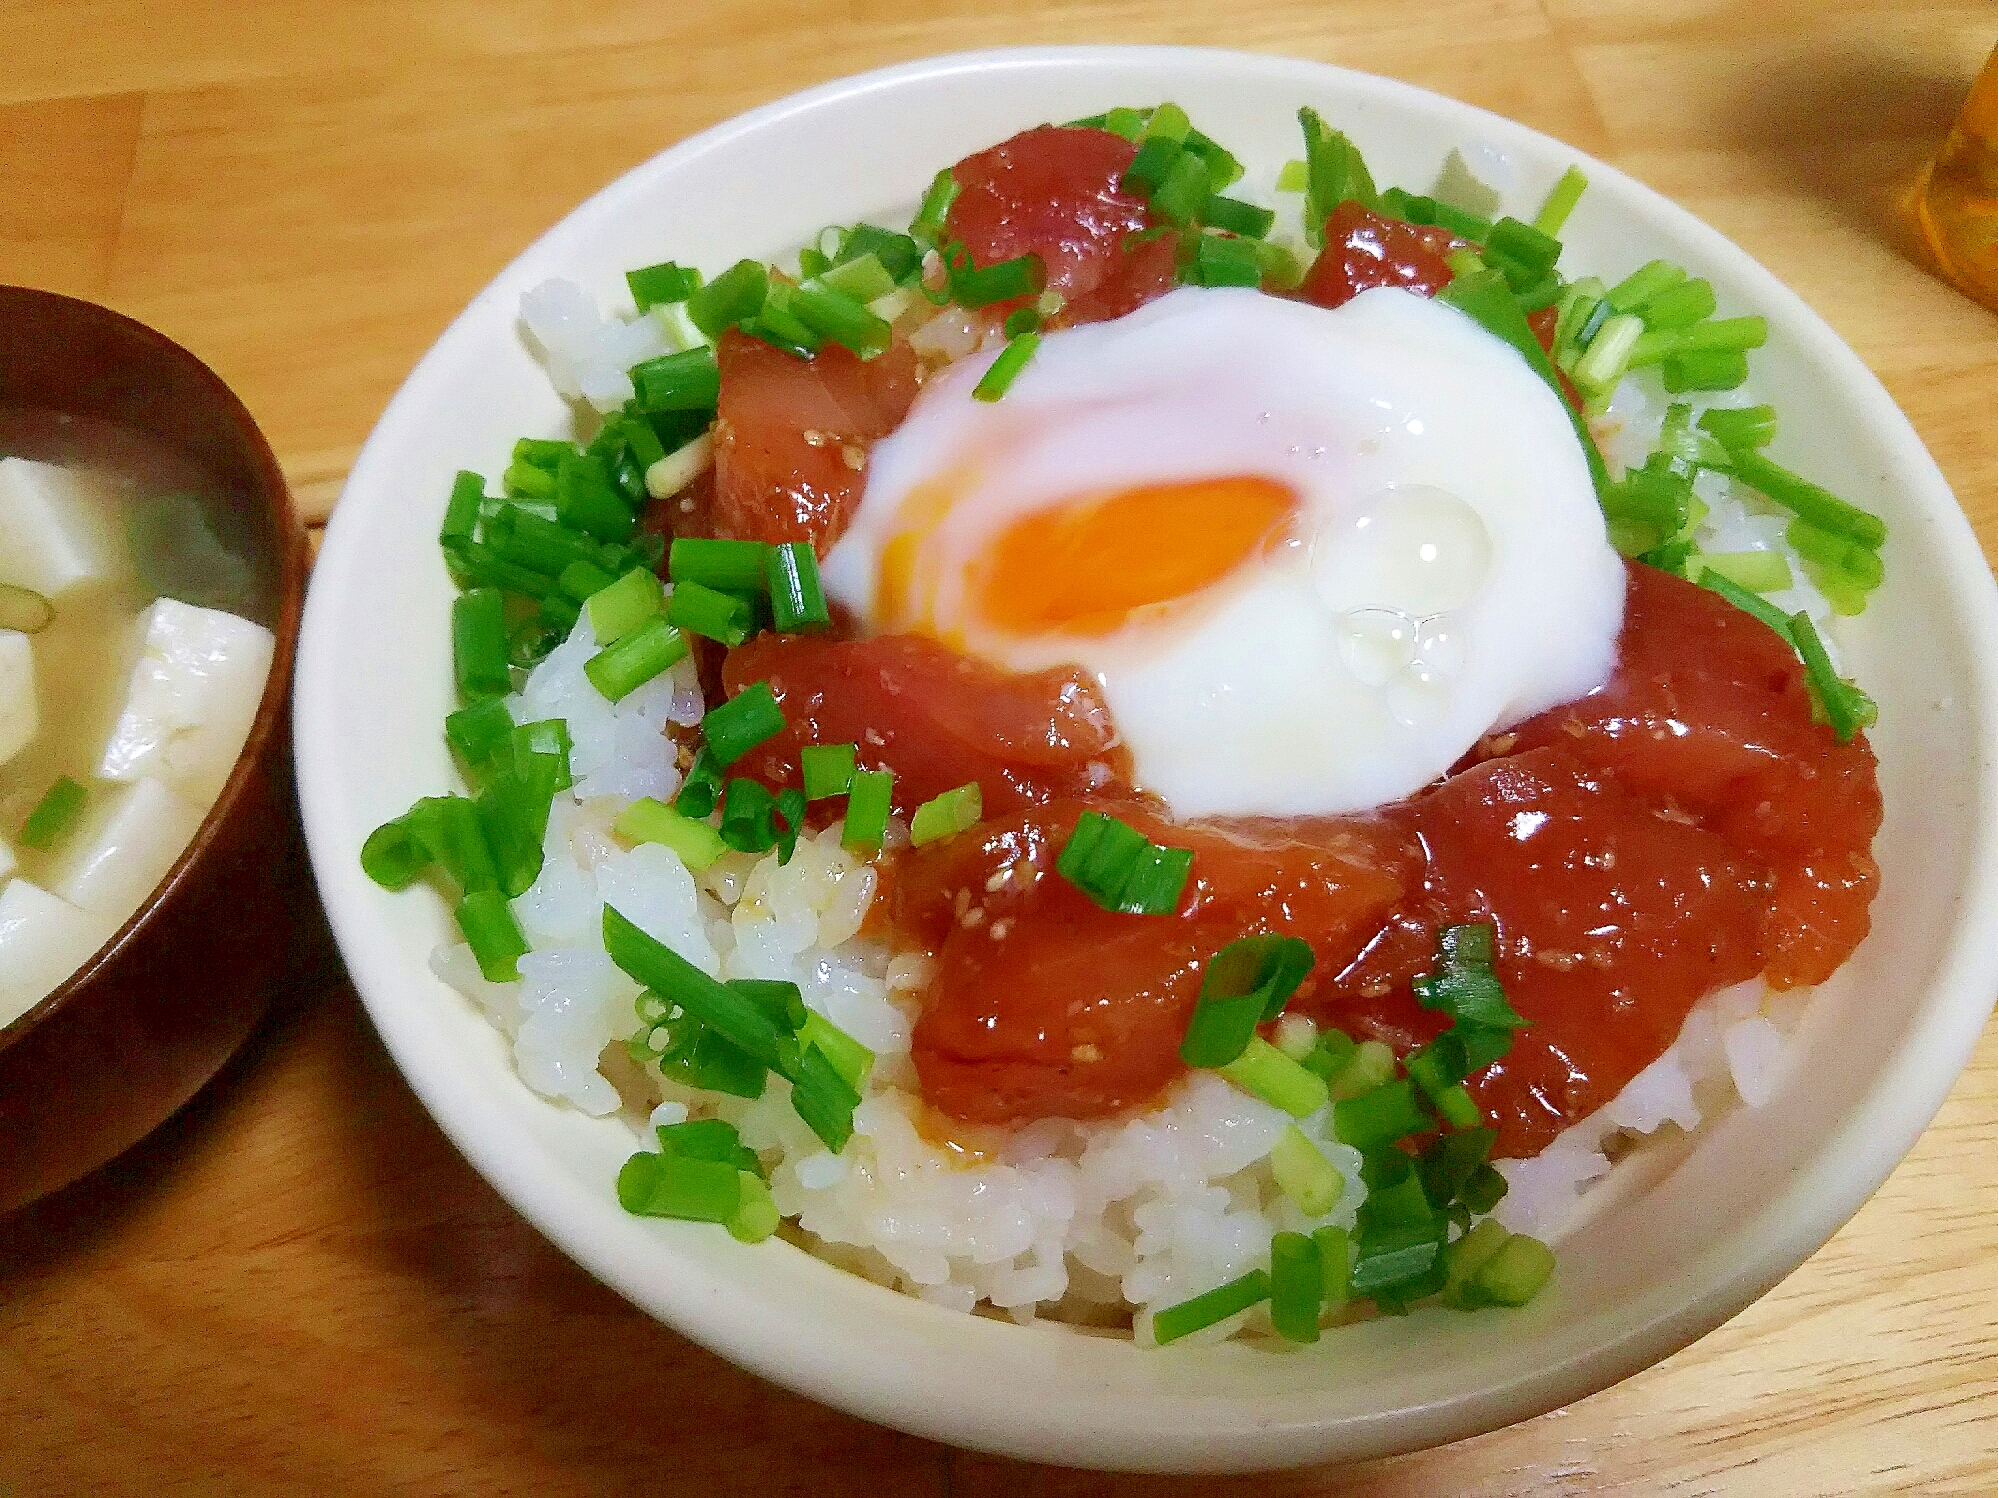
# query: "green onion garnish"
[[823, 1098], [730, 566], [657, 284], [479, 732], [1304, 1174], [1717, 370], [1607, 353], [946, 815], [839, 317], [714, 615], [478, 644], [1521, 252], [1219, 261], [1680, 306], [1514, 1274], [867, 805], [1846, 708], [1802, 497], [897, 254], [1022, 320], [1335, 1263], [1747, 602], [756, 1217], [1184, 192], [732, 297], [1641, 285], [658, 967], [1335, 173], [648, 821], [1464, 985], [738, 725], [461, 512], [702, 788], [849, 1057], [1119, 869], [1265, 1072], [681, 1186], [686, 381], [1858, 565], [929, 221], [708, 1139], [1169, 121], [582, 580], [1376, 1119], [1758, 571], [535, 541], [493, 934], [1417, 209], [587, 501], [1247, 982], [1215, 1306], [828, 769], [797, 599], [529, 480], [863, 279], [998, 379], [1297, 1287], [620, 669], [972, 286], [1719, 335], [627, 603], [1237, 217], [704, 1058], [1561, 202], [1450, 1164], [478, 566], [1293, 176], [1223, 169], [1750, 427], [1151, 166], [54, 815]]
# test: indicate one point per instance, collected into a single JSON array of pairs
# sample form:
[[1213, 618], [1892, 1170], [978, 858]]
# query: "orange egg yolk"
[[1086, 567]]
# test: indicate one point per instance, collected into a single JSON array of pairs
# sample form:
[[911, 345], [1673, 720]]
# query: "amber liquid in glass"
[[1956, 203]]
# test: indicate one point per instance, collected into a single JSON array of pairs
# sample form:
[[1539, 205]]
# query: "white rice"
[[1083, 1221]]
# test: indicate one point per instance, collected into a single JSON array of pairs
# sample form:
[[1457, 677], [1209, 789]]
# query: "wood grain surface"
[[297, 1286]]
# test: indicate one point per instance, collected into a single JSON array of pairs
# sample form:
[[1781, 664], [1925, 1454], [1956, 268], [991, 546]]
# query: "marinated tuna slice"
[[1708, 713], [936, 718], [792, 436], [1363, 250], [1045, 1005], [1613, 920]]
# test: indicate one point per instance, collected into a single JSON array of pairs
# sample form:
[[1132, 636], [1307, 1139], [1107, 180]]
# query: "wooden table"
[[297, 1285]]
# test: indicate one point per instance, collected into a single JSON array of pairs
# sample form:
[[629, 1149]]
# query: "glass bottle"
[[1956, 200]]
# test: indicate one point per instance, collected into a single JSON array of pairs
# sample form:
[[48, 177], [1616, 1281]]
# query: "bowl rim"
[[1784, 1231], [271, 720]]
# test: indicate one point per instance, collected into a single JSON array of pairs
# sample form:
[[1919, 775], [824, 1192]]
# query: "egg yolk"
[[1085, 567]]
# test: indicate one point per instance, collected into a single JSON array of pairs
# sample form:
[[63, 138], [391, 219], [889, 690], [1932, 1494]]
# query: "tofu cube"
[[191, 701], [20, 718], [42, 941], [130, 837], [56, 527]]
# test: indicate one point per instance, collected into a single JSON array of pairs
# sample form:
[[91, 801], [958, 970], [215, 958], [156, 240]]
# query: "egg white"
[[1334, 671]]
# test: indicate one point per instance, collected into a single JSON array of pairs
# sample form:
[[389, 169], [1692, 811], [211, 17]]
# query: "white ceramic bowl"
[[1672, 1259]]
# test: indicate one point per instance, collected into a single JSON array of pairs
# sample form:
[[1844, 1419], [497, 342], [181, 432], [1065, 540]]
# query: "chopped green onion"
[[461, 517], [54, 815], [708, 1139], [629, 602], [738, 725], [535, 541], [841, 318], [1521, 252], [622, 668], [1304, 1174], [1219, 261], [1211, 1308], [1170, 121], [1112, 862], [1335, 1263], [946, 815], [1719, 335], [549, 737], [1802, 497], [867, 804], [1370, 1066], [1417, 209], [1859, 565], [780, 326], [823, 1098], [1265, 1072], [513, 811], [1680, 306], [749, 816], [973, 286], [1644, 283], [711, 614], [1151, 165], [1232, 214], [1846, 707], [929, 221], [1297, 1287], [1749, 427], [849, 1057], [1561, 202], [1247, 982], [704, 1058], [686, 381], [657, 284], [1223, 169], [1184, 192], [1747, 602], [478, 644], [545, 453], [797, 599], [1463, 985], [897, 254], [1485, 1190], [648, 821], [863, 279], [1024, 320], [1514, 1274], [473, 565], [658, 967], [587, 501], [493, 934], [395, 855], [1449, 1164], [734, 296], [998, 379], [1376, 1119], [730, 566], [1293, 176], [756, 1217], [1330, 1050], [702, 788], [478, 732], [581, 580], [1336, 173], [1760, 571], [828, 769], [1607, 354], [1718, 370], [679, 1186], [1463, 1259], [527, 479]]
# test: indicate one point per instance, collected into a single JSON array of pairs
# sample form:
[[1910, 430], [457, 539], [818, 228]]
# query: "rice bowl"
[[1610, 1312]]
